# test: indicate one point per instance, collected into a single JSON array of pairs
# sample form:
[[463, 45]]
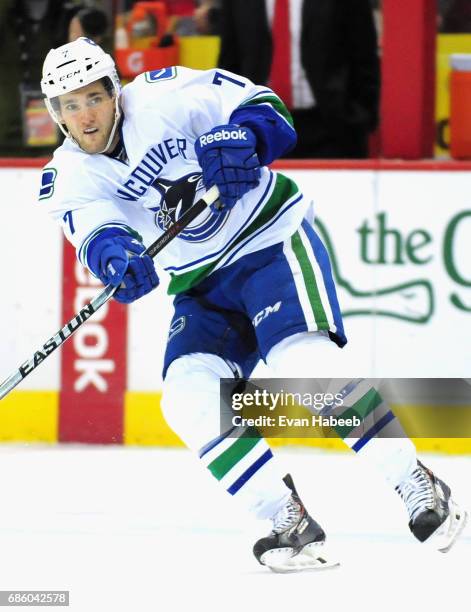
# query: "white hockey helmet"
[[76, 65]]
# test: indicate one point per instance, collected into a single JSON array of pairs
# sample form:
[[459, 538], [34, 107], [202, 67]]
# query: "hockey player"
[[133, 162]]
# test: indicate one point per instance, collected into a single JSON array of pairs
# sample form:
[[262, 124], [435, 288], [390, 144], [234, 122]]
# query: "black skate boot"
[[431, 509], [296, 541]]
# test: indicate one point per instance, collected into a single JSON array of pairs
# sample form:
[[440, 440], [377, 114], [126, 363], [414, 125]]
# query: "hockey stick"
[[210, 197]]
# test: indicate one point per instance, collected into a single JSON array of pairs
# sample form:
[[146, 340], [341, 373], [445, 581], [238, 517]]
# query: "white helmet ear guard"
[[76, 65]]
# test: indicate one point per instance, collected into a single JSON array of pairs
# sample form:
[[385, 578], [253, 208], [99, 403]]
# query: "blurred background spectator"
[[181, 15], [320, 56], [456, 16], [91, 22], [206, 17], [323, 61], [28, 29]]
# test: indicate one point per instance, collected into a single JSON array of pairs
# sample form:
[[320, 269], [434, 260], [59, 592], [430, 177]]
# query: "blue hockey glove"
[[115, 258], [228, 159]]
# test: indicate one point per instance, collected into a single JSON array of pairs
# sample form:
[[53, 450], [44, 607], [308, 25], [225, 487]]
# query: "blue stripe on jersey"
[[263, 92], [262, 229], [377, 427], [239, 483], [239, 231], [322, 257]]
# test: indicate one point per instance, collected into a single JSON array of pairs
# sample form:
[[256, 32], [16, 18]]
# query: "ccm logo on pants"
[[263, 314]]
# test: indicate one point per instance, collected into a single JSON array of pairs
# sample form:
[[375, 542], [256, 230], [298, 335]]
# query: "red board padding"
[[394, 165], [309, 164], [23, 162], [93, 362], [408, 78], [460, 113]]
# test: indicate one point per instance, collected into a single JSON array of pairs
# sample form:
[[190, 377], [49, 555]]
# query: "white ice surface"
[[135, 529]]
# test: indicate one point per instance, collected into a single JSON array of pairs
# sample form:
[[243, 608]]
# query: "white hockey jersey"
[[165, 111]]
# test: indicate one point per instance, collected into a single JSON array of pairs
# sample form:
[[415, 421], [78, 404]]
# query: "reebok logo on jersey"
[[239, 134]]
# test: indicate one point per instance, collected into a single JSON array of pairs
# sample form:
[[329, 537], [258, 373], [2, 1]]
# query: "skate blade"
[[285, 560], [444, 539]]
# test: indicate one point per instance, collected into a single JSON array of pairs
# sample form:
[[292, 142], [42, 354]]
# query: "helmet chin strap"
[[117, 116]]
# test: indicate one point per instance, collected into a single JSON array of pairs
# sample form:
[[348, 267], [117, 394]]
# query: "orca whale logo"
[[176, 197]]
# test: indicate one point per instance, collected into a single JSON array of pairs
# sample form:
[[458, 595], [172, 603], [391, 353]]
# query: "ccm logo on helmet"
[[68, 76], [223, 135]]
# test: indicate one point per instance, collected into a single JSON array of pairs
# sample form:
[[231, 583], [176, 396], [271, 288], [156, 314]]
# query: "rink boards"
[[399, 239]]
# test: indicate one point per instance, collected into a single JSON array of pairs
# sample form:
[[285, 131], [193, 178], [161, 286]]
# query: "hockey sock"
[[239, 459], [378, 436], [246, 468]]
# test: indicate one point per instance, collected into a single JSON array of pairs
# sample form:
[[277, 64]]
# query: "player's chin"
[[92, 145]]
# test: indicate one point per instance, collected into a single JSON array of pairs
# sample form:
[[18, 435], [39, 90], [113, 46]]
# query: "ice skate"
[[434, 516], [296, 541]]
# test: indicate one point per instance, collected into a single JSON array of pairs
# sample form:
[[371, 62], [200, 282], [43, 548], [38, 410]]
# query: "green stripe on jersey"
[[275, 102], [310, 282], [284, 190], [220, 466], [361, 409]]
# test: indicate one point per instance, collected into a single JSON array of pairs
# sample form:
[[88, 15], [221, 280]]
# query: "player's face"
[[89, 114]]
